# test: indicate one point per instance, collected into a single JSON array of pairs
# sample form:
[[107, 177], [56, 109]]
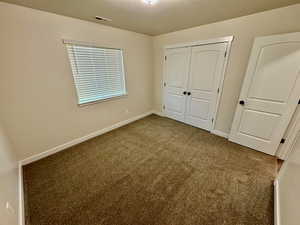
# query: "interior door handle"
[[184, 92], [242, 102]]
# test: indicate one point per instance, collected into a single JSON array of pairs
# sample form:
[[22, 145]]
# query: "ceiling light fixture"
[[150, 2]]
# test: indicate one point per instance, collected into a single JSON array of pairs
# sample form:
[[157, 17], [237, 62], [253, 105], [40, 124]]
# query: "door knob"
[[189, 93], [242, 102], [184, 92]]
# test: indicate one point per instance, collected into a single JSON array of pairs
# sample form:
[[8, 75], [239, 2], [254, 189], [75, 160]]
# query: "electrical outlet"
[[9, 208]]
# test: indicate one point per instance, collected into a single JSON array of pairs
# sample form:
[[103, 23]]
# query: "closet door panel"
[[176, 80], [207, 63]]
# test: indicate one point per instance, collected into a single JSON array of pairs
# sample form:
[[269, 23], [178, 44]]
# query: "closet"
[[192, 83]]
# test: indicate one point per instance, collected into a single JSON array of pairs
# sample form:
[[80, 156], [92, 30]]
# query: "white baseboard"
[[82, 139], [158, 113], [220, 133], [276, 203], [21, 196], [279, 156]]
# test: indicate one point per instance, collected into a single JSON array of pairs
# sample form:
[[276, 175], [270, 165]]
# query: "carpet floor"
[[155, 171]]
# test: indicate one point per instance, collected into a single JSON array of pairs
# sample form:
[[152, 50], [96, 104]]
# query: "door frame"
[[228, 40], [290, 136]]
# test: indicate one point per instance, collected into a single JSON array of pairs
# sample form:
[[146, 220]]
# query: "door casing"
[[291, 135]]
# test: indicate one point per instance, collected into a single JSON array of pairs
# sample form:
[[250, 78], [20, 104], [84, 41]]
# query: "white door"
[[206, 70], [270, 93], [176, 78]]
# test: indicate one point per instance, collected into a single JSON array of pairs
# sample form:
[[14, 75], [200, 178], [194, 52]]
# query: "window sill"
[[103, 100]]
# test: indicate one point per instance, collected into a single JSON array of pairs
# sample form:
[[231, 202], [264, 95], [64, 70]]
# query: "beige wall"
[[37, 97], [244, 29], [8, 181]]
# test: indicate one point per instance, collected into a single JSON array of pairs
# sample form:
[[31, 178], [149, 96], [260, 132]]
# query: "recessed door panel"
[[270, 80], [207, 64], [173, 103], [177, 68], [270, 93], [206, 60], [258, 124], [199, 109]]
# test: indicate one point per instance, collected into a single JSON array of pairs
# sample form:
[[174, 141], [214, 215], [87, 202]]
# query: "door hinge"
[[165, 57], [164, 107], [212, 120], [225, 54], [165, 84], [218, 91], [282, 141]]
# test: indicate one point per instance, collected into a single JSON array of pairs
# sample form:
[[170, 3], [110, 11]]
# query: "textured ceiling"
[[163, 17]]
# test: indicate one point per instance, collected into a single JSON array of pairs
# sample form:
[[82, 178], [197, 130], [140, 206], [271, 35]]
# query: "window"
[[98, 72]]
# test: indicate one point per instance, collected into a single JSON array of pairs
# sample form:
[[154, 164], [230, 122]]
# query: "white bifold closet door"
[[270, 93], [177, 70], [192, 79]]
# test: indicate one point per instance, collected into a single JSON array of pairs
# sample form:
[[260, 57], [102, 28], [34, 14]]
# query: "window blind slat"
[[98, 72]]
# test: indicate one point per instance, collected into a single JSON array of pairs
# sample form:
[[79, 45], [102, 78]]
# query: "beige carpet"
[[155, 171]]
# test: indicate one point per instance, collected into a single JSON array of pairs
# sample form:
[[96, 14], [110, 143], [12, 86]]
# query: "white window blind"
[[98, 72]]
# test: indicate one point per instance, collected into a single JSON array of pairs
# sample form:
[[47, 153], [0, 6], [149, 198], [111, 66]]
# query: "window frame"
[[86, 44]]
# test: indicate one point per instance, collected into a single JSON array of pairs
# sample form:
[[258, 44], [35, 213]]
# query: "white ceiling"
[[163, 17]]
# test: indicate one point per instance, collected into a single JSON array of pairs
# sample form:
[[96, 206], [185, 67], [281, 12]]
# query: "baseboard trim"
[[81, 139], [279, 156], [219, 133], [21, 196], [159, 113], [276, 203]]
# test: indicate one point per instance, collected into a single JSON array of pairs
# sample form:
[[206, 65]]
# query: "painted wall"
[[8, 182], [36, 85], [245, 29]]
